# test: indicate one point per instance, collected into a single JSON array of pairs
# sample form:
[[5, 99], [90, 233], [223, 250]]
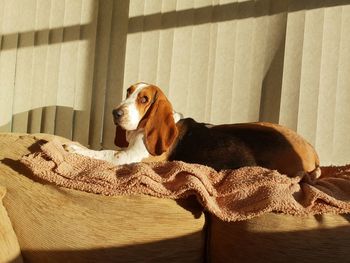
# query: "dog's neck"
[[137, 150]]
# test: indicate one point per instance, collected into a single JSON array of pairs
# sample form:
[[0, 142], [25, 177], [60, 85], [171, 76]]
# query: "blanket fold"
[[231, 195]]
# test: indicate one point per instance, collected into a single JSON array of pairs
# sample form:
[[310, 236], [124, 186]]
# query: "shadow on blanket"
[[231, 195]]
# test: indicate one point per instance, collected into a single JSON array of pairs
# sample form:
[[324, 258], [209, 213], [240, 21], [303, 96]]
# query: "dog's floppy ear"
[[120, 137], [159, 126]]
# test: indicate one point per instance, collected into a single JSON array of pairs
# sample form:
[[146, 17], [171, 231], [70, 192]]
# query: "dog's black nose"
[[117, 113]]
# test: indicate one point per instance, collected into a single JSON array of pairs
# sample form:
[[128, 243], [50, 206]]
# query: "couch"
[[41, 222]]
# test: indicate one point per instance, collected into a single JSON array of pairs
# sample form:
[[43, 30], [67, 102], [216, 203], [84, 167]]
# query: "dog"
[[148, 129], [145, 128]]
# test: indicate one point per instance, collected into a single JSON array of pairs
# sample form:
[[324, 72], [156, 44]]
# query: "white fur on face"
[[132, 116]]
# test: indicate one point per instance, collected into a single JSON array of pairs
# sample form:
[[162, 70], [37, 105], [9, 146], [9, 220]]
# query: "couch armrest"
[[9, 247]]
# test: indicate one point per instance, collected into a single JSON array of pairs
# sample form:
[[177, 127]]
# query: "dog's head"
[[147, 108]]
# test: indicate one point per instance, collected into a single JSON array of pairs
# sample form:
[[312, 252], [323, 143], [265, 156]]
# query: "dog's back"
[[197, 143], [231, 146]]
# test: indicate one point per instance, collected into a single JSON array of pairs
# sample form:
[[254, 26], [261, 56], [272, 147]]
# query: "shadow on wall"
[[66, 68], [270, 100], [221, 13], [271, 92], [52, 36], [56, 120], [108, 62], [37, 77]]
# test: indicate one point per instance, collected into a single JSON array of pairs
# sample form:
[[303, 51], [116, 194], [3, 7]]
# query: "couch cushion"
[[9, 248], [67, 225], [281, 238]]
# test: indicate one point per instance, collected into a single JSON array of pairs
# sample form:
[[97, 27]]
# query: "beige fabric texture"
[[64, 65], [231, 195], [55, 224], [281, 238], [9, 247]]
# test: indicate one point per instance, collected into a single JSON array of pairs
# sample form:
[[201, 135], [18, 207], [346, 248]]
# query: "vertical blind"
[[46, 66], [64, 65]]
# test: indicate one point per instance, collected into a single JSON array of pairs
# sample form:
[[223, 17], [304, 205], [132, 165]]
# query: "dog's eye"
[[144, 99]]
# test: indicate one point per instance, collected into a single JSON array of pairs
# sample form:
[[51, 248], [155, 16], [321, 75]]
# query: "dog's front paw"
[[73, 148]]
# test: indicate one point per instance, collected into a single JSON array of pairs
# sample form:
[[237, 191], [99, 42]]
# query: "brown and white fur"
[[145, 127], [148, 127]]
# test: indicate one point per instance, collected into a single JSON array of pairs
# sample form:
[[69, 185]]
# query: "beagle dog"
[[148, 129], [145, 128]]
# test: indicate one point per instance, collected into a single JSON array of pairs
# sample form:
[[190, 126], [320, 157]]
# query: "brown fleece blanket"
[[230, 194]]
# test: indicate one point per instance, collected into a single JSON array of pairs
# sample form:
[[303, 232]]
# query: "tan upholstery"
[[281, 238], [56, 225], [9, 247]]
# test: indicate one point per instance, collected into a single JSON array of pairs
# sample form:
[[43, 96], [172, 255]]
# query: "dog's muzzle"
[[117, 115]]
